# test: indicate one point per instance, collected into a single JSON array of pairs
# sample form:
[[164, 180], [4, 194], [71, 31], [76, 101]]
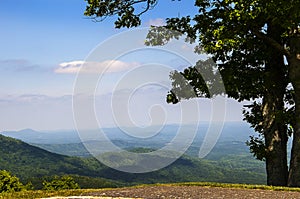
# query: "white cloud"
[[33, 98], [108, 66], [156, 22]]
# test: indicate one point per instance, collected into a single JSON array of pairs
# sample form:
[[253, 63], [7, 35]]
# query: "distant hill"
[[55, 137], [27, 161], [231, 131], [232, 139]]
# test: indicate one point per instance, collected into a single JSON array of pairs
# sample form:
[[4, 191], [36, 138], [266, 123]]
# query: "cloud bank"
[[108, 66]]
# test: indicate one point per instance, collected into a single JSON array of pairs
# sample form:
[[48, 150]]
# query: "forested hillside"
[[31, 163]]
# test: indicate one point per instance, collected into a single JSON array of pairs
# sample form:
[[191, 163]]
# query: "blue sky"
[[37, 37]]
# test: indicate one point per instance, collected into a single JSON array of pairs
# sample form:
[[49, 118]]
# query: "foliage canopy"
[[9, 183], [60, 183]]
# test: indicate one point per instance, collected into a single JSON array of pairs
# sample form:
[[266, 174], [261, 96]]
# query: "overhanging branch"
[[272, 42]]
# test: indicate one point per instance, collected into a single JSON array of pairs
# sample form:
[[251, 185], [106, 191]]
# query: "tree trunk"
[[294, 64], [276, 159], [294, 172], [275, 131]]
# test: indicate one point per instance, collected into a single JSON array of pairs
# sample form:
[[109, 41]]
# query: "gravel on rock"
[[194, 192]]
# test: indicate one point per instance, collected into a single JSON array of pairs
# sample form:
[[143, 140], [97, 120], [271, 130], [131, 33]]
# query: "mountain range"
[[229, 161]]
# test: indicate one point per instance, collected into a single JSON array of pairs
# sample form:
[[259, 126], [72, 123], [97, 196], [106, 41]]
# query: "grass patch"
[[44, 194]]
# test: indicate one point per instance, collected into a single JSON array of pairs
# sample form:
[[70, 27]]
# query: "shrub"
[[9, 183], [60, 183]]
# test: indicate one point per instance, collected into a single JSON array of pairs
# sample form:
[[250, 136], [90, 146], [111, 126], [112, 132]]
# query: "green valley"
[[33, 164]]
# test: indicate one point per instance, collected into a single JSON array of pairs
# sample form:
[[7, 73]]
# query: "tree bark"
[[294, 68], [275, 131], [276, 160]]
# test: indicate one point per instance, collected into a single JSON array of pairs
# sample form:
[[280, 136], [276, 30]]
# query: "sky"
[[48, 46]]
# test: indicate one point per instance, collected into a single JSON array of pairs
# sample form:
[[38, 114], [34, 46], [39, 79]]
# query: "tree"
[[225, 28], [60, 183], [128, 15], [257, 44], [9, 183], [276, 158]]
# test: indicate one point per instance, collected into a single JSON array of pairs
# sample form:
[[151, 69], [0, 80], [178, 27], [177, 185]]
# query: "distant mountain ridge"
[[233, 131], [45, 137], [232, 137]]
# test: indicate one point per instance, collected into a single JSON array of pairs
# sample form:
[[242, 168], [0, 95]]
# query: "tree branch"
[[145, 9], [272, 42]]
